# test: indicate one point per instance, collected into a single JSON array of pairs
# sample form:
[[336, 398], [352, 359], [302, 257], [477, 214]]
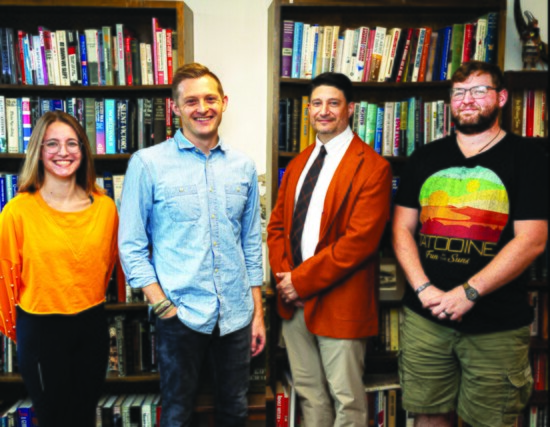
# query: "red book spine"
[[155, 25], [20, 51], [405, 55], [530, 113], [169, 63], [128, 61]]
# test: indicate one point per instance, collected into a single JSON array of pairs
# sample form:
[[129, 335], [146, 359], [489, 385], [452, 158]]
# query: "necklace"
[[489, 143]]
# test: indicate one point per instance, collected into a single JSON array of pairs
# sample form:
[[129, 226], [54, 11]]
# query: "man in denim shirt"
[[190, 238]]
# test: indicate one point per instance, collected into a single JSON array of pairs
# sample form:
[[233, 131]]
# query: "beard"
[[485, 120]]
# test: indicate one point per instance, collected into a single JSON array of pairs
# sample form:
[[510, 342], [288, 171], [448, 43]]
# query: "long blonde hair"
[[31, 178]]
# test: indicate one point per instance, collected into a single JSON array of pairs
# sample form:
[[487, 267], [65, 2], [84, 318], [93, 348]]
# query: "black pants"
[[63, 361]]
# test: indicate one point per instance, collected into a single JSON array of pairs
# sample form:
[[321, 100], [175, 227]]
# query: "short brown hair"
[[31, 178], [192, 71], [479, 67]]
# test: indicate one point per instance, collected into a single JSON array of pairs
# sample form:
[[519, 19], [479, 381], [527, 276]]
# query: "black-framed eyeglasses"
[[53, 146], [477, 92]]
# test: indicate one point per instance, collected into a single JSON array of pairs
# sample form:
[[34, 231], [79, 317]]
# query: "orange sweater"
[[54, 262]]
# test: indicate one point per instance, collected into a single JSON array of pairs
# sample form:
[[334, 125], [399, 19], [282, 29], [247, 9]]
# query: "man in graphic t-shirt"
[[471, 215]]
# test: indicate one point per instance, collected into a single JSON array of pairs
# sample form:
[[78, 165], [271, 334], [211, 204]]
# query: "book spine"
[[491, 38], [154, 46], [12, 129], [424, 55], [121, 69], [377, 52], [29, 60], [100, 126], [418, 55], [396, 128], [63, 57], [122, 125], [3, 135], [286, 48], [169, 59], [445, 52], [110, 124], [379, 130], [26, 120], [370, 125], [107, 55], [84, 60], [296, 50]]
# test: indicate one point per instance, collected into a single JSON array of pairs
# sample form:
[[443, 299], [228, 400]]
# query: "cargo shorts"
[[486, 378]]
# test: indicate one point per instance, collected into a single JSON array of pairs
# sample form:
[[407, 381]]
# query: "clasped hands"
[[287, 291], [450, 305]]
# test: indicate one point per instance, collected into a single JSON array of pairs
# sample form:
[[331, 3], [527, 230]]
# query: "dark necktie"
[[302, 205]]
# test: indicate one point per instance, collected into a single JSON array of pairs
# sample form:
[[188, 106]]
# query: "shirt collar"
[[337, 142], [184, 144]]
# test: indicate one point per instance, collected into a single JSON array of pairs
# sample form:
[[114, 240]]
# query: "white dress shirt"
[[336, 149]]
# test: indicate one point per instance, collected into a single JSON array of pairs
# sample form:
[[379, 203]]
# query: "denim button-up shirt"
[[191, 222]]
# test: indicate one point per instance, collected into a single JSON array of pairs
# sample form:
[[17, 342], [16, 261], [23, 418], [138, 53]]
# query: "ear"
[[176, 109], [502, 97], [225, 101]]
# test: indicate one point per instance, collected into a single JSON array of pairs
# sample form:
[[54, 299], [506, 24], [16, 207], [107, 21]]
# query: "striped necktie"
[[302, 205]]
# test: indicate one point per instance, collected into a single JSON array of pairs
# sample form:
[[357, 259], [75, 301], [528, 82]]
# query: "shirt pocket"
[[182, 203], [235, 195]]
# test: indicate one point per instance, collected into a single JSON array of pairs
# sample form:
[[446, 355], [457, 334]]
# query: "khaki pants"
[[328, 376]]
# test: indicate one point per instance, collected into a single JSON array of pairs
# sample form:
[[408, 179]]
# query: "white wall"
[[231, 39], [539, 9]]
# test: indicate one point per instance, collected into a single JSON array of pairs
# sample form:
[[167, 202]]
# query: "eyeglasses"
[[477, 92], [52, 147]]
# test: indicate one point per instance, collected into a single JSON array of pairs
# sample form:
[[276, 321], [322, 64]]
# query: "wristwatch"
[[471, 293]]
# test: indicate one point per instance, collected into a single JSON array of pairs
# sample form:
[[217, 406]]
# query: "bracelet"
[[164, 312], [422, 287], [162, 307]]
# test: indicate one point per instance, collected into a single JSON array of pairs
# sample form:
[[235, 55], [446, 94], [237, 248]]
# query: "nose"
[[468, 96], [202, 106], [324, 108], [63, 149]]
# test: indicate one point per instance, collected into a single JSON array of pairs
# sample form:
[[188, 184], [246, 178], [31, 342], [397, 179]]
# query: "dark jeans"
[[181, 353], [63, 362]]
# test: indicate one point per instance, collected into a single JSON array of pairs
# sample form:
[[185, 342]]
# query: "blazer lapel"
[[341, 184]]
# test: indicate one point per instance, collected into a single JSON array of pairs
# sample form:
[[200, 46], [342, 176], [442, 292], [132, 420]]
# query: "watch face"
[[471, 294]]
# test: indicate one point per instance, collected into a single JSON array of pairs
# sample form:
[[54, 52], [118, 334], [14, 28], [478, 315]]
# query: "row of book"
[[125, 410], [103, 56], [112, 125], [382, 54], [529, 112], [392, 128]]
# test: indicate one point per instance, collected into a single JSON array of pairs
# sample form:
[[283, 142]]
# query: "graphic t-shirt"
[[467, 208]]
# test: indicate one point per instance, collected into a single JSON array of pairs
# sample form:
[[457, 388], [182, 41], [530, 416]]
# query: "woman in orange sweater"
[[57, 251]]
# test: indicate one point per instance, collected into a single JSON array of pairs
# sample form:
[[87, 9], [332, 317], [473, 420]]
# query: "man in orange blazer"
[[323, 253]]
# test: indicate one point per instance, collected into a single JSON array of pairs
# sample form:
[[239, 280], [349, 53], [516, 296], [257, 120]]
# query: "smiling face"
[[61, 165], [329, 112], [200, 107], [477, 115]]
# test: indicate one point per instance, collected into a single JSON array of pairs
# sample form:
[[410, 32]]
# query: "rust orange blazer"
[[338, 283]]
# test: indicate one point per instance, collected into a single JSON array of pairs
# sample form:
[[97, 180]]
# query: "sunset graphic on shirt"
[[469, 203]]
